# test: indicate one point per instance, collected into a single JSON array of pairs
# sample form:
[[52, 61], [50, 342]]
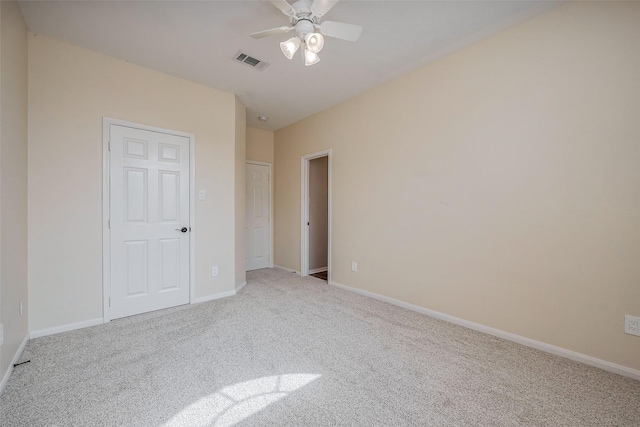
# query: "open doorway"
[[316, 218]]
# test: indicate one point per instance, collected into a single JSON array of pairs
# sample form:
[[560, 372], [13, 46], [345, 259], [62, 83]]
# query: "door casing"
[[304, 216], [106, 180]]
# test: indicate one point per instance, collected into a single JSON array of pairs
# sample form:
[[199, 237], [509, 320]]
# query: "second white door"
[[149, 216], [258, 228]]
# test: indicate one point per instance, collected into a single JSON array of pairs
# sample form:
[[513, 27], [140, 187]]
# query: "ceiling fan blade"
[[271, 32], [320, 7], [341, 30], [284, 6]]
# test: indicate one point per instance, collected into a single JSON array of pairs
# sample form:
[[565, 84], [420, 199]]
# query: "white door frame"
[[252, 162], [106, 205], [304, 219]]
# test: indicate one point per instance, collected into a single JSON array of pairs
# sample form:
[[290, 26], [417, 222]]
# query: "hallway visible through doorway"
[[321, 275], [315, 230], [318, 219]]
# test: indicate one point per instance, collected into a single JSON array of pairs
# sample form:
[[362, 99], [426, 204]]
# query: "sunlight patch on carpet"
[[237, 402]]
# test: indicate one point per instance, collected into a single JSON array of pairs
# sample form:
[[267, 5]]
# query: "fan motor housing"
[[302, 7], [303, 27]]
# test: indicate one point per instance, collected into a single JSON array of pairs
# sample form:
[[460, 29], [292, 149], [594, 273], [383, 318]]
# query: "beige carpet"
[[297, 352]]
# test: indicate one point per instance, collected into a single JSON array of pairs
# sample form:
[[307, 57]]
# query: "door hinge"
[[109, 301], [109, 221], [109, 145]]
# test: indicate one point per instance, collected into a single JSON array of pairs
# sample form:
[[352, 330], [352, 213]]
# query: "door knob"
[[183, 229]]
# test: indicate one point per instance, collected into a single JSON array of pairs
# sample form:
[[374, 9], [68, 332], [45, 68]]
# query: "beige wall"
[[13, 181], [259, 145], [70, 91], [240, 190], [498, 185], [318, 212]]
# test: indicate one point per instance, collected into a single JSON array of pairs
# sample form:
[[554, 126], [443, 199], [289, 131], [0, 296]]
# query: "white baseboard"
[[99, 321], [15, 359], [288, 270], [240, 286], [214, 296], [548, 348], [66, 328], [318, 270]]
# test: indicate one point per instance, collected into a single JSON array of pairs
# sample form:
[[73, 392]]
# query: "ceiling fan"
[[304, 18]]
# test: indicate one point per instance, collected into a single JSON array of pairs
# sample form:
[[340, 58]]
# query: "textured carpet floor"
[[292, 351]]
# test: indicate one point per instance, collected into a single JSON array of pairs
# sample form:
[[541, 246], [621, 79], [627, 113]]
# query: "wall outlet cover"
[[632, 325]]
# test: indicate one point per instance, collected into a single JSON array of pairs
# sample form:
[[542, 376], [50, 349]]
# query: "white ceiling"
[[197, 40]]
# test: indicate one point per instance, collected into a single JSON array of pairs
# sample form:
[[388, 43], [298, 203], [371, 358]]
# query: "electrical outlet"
[[632, 325], [214, 270], [21, 307], [354, 266]]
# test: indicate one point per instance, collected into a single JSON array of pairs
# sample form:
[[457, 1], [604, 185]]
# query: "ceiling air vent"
[[252, 62]]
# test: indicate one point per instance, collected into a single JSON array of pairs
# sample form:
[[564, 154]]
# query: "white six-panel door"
[[149, 220], [258, 229]]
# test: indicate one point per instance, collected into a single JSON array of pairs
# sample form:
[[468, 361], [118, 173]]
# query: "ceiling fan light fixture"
[[304, 17], [314, 42], [310, 58], [290, 47]]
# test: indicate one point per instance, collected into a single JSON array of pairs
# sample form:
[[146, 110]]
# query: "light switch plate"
[[201, 195]]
